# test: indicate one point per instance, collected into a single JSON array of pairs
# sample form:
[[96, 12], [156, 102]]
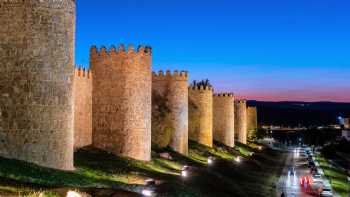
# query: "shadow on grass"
[[23, 173], [254, 176], [95, 159]]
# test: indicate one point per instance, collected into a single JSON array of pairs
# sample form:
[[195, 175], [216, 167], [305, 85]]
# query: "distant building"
[[347, 123], [346, 134]]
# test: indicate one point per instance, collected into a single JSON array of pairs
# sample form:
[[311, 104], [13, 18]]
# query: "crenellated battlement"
[[176, 75], [103, 52], [173, 87], [82, 72], [242, 101], [124, 74], [224, 94], [201, 87]]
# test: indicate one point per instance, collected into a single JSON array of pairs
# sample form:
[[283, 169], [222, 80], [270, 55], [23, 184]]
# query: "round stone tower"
[[223, 118], [82, 108], [175, 88], [121, 100], [252, 122], [201, 114], [36, 84], [241, 120]]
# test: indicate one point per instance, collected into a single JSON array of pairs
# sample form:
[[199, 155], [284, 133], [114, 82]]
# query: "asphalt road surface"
[[290, 184]]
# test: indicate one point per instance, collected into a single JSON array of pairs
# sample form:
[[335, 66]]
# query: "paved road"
[[289, 184]]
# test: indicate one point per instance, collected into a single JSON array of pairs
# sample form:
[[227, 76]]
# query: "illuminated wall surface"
[[37, 66], [241, 121], [121, 100], [82, 108], [252, 121], [223, 118], [201, 115], [175, 88]]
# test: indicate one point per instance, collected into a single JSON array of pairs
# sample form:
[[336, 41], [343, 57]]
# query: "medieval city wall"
[[241, 120], [36, 84], [201, 115], [223, 118], [121, 100], [175, 88], [82, 108]]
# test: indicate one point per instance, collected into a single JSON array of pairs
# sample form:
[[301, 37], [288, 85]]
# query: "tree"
[[203, 82]]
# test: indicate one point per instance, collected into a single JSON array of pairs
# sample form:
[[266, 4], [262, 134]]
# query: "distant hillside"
[[300, 113]]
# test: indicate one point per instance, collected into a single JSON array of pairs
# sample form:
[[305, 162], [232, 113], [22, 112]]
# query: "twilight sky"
[[276, 50]]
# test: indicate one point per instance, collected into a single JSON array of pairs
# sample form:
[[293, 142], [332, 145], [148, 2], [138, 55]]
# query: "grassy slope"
[[338, 178], [255, 176]]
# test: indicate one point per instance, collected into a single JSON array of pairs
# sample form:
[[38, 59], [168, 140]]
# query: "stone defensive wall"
[[201, 114], [241, 121], [174, 86], [82, 108], [36, 85], [121, 100], [252, 121], [223, 118]]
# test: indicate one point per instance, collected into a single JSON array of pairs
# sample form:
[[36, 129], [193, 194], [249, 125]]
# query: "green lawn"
[[254, 176], [337, 177]]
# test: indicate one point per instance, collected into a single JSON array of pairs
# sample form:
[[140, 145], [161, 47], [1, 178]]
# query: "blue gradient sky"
[[265, 50]]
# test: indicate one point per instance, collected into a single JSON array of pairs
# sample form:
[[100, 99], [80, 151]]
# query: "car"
[[305, 181], [317, 181], [326, 192], [313, 170], [311, 164], [291, 170], [316, 176]]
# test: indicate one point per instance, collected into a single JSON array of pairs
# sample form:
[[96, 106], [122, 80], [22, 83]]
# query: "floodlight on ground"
[[73, 194], [147, 192], [184, 171], [238, 159], [210, 160]]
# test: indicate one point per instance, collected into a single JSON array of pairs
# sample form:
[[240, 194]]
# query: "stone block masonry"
[[223, 118], [201, 115], [82, 108], [241, 121], [121, 100], [175, 88], [36, 84], [252, 121]]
